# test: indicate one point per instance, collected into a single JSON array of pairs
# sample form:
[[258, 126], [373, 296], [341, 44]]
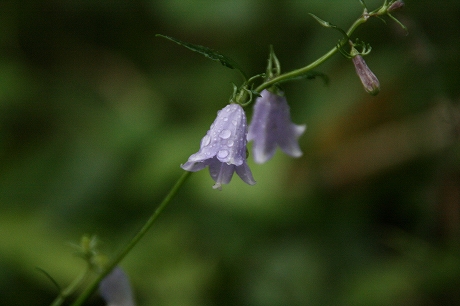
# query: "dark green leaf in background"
[[209, 53]]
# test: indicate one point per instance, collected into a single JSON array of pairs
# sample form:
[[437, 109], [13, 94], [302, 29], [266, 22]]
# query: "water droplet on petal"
[[234, 122], [222, 153], [225, 134], [230, 143], [205, 141], [225, 119]]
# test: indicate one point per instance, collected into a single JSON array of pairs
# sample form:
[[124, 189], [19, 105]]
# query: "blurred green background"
[[97, 114]]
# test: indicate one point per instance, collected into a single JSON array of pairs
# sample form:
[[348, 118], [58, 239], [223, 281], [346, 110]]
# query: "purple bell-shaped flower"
[[223, 148], [116, 290], [271, 126]]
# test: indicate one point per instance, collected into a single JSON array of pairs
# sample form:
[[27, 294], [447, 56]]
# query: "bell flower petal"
[[271, 126], [223, 148], [116, 290]]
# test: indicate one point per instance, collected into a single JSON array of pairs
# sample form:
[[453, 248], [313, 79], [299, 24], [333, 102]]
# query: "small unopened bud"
[[395, 6], [370, 82]]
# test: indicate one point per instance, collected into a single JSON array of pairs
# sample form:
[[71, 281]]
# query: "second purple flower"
[[271, 126]]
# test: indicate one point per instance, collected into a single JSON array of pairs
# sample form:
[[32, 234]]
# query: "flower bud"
[[370, 82], [395, 6]]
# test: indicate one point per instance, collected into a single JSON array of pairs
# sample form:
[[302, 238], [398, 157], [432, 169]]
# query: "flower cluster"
[[224, 147]]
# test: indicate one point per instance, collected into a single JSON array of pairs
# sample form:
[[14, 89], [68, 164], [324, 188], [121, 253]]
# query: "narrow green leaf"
[[321, 21], [209, 53], [50, 278], [329, 25]]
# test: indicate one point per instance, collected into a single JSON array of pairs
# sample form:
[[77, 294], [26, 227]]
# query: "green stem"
[[298, 72], [71, 288], [93, 286]]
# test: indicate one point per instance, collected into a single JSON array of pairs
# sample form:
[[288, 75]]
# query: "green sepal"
[[209, 53], [400, 23], [364, 4], [254, 94], [240, 95]]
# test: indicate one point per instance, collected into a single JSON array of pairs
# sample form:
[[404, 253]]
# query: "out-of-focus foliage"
[[97, 114]]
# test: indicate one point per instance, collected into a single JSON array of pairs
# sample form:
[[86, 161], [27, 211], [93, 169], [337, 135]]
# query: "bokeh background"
[[97, 114]]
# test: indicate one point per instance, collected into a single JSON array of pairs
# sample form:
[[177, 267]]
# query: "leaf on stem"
[[209, 53], [321, 21], [50, 278], [327, 24]]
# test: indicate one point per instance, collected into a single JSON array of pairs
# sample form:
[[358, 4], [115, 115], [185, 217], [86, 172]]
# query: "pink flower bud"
[[370, 82], [395, 6]]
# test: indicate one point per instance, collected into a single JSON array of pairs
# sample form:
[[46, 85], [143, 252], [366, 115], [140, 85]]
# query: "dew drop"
[[222, 153], [225, 119], [230, 143], [234, 122], [225, 134], [205, 141]]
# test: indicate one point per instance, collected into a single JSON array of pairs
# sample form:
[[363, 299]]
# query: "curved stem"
[[93, 286], [116, 260], [319, 61], [71, 288]]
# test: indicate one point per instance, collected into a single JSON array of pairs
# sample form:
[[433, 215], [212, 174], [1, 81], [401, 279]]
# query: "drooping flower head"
[[223, 148], [115, 289], [271, 126], [368, 79]]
